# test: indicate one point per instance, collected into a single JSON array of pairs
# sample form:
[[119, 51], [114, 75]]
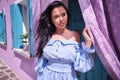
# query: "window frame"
[[30, 46]]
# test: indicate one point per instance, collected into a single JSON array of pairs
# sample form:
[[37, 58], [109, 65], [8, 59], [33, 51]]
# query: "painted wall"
[[22, 66]]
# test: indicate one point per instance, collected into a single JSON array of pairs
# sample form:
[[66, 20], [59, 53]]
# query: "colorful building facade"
[[16, 37], [17, 41]]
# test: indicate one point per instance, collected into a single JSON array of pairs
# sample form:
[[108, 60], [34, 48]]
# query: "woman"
[[60, 52]]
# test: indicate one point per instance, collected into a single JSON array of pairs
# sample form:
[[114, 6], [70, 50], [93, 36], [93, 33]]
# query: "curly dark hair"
[[45, 27]]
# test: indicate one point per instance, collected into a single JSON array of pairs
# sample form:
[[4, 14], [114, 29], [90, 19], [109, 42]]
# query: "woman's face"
[[59, 17]]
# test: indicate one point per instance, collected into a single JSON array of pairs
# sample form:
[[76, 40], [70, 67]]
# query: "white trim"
[[18, 1], [2, 45], [25, 17], [3, 11], [23, 2], [22, 52]]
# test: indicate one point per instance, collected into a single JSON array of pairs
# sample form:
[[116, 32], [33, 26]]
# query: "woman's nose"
[[61, 18]]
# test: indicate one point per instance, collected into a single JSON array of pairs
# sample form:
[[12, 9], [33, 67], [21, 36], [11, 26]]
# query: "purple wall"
[[22, 66]]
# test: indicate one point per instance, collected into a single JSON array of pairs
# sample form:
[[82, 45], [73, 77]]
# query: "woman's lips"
[[61, 24]]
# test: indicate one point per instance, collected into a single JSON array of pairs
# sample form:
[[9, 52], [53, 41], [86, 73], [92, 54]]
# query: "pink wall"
[[22, 66]]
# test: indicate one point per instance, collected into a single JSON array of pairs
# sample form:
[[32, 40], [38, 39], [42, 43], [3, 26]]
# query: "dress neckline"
[[64, 41]]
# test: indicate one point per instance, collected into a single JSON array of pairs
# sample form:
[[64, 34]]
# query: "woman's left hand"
[[87, 38]]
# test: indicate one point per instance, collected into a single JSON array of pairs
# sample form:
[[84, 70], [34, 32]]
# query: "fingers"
[[87, 38], [86, 34], [86, 30]]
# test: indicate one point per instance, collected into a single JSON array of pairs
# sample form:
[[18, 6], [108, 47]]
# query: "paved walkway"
[[6, 73]]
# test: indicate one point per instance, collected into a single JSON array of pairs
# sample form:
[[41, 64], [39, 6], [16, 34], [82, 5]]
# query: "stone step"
[[6, 73]]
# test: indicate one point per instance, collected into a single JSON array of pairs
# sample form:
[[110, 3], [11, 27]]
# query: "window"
[[22, 29], [2, 27]]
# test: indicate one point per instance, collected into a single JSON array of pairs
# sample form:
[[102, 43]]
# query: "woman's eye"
[[63, 14], [55, 17]]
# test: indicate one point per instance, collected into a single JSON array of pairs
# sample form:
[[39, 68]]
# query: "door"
[[76, 22]]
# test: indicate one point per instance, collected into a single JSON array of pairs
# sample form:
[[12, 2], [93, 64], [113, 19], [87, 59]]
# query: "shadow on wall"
[[27, 65]]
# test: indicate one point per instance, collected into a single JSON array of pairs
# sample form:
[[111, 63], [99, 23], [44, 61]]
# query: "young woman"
[[60, 52]]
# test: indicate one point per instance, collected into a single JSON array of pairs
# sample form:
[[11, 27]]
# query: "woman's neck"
[[61, 31]]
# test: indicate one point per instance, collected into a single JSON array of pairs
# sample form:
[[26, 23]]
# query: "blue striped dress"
[[61, 58]]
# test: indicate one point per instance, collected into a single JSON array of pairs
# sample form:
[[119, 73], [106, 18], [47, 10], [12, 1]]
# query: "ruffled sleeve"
[[83, 60], [40, 65]]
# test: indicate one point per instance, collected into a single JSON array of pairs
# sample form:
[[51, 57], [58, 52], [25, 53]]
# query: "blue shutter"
[[31, 37], [12, 14], [4, 28], [1, 28], [16, 23]]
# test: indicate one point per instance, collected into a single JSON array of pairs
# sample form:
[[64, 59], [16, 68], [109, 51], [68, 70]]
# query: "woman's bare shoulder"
[[76, 36]]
